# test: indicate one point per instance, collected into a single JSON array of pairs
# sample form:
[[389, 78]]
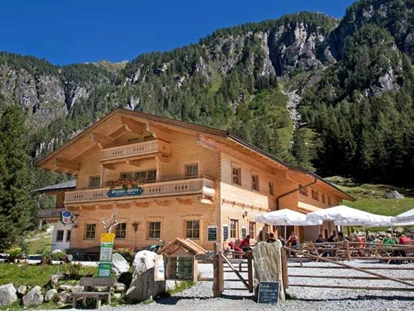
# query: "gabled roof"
[[185, 244], [222, 136]]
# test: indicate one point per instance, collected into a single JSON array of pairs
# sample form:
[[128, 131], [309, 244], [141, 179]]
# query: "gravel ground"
[[199, 297]]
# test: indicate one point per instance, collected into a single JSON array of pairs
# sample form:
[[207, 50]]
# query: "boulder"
[[49, 294], [65, 287], [33, 297], [394, 194], [76, 289], [119, 264], [65, 297], [119, 287], [143, 285], [7, 294], [268, 264], [22, 290]]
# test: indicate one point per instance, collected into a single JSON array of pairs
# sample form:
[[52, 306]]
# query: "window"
[[233, 228], [315, 195], [59, 235], [191, 170], [323, 198], [154, 230], [255, 182], [68, 233], [193, 229], [120, 231], [303, 191], [329, 201], [148, 176], [252, 230], [94, 182], [90, 231], [271, 188], [236, 175], [126, 175]]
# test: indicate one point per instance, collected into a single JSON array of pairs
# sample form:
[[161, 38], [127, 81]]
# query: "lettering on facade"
[[123, 192]]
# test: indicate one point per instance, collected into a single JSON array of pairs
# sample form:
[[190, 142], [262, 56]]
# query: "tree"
[[16, 178]]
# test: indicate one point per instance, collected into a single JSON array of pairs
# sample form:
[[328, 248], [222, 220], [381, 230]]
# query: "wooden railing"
[[202, 186], [137, 149], [49, 213]]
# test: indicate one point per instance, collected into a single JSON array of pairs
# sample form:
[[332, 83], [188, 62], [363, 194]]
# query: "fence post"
[[218, 283], [250, 270], [285, 278], [348, 254]]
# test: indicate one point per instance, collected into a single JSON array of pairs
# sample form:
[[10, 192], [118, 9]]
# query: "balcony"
[[49, 213], [203, 186], [155, 146]]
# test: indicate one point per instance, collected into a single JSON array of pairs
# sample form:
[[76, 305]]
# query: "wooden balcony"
[[203, 186], [155, 146], [49, 213]]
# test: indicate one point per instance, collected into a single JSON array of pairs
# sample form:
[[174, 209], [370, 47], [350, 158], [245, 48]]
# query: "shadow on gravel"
[[359, 298], [175, 300]]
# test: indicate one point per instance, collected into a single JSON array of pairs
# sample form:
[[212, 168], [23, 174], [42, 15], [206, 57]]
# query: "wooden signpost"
[[268, 293]]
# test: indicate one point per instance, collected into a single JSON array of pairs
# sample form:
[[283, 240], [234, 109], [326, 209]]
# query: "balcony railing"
[[131, 150], [203, 186], [49, 213]]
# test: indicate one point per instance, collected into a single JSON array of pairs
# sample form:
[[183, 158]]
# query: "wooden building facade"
[[199, 183]]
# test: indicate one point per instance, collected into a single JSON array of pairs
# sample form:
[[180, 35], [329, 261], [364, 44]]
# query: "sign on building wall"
[[66, 217], [225, 232], [212, 233], [244, 232], [123, 192]]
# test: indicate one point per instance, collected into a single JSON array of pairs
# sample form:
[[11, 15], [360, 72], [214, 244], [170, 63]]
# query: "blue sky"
[[77, 31]]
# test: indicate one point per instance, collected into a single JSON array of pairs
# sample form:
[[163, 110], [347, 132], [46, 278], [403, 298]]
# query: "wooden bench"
[[88, 292]]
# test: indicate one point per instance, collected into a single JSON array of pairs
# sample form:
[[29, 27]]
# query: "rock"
[[22, 290], [49, 294], [55, 278], [65, 287], [119, 287], [268, 264], [7, 294], [65, 297], [117, 296], [76, 289], [119, 264], [394, 194], [33, 298], [143, 285]]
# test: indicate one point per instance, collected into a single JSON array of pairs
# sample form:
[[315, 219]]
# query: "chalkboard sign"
[[268, 293], [225, 232], [212, 233]]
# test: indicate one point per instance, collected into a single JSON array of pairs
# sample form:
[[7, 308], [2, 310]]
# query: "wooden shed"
[[181, 257]]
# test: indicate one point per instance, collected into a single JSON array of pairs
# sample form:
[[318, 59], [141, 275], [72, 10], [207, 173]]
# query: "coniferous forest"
[[333, 96]]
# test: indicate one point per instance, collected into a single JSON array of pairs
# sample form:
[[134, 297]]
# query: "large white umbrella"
[[343, 215], [404, 219], [285, 217]]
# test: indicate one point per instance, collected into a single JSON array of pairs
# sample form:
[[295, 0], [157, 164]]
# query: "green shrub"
[[15, 252]]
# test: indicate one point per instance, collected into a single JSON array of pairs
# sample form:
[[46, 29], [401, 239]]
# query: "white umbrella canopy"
[[286, 217], [404, 219], [343, 215]]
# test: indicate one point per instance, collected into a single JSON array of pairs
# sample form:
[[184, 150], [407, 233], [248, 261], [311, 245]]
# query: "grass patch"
[[387, 207], [181, 286], [21, 274]]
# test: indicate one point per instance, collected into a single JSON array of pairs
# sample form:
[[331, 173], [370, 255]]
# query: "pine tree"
[[16, 178]]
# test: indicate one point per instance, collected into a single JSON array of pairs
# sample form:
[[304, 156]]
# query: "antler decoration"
[[112, 222]]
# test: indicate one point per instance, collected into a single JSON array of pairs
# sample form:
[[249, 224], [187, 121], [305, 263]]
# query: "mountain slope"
[[335, 96]]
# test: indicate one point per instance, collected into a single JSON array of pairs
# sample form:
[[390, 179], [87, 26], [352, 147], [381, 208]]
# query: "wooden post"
[[285, 278], [250, 270], [218, 283], [348, 254]]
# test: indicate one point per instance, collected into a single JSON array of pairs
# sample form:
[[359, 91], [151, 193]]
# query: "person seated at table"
[[245, 244], [271, 238], [235, 249], [340, 237], [360, 245], [319, 239], [293, 240], [389, 242], [404, 240], [331, 239]]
